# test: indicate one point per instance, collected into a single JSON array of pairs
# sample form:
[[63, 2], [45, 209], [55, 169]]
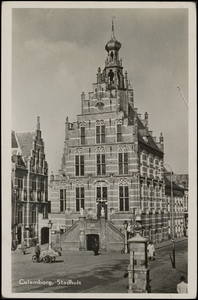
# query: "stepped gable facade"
[[29, 178], [111, 165]]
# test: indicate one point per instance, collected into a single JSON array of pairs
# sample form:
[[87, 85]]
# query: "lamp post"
[[50, 239], [125, 224], [173, 240]]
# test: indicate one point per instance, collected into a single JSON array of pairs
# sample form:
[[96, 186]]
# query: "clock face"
[[145, 139], [100, 105]]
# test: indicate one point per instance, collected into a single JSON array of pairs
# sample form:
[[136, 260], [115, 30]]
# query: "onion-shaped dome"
[[113, 44]]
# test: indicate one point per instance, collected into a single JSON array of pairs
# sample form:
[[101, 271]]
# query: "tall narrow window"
[[20, 215], [124, 198], [102, 192], [20, 183], [100, 134], [34, 215], [80, 198], [119, 132], [34, 183], [101, 165], [123, 163], [42, 185], [82, 134], [110, 151], [20, 187], [79, 163], [62, 200]]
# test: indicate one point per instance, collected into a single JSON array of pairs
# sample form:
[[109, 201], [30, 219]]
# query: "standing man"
[[95, 247], [24, 247], [37, 251], [151, 250], [182, 287]]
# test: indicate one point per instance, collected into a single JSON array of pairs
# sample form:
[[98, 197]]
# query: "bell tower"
[[113, 65]]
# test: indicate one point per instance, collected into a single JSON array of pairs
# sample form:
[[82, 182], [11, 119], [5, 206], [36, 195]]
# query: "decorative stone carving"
[[79, 150], [82, 124], [118, 121], [63, 184], [122, 148], [100, 122], [101, 183], [79, 183], [123, 181], [82, 212], [100, 149], [102, 212]]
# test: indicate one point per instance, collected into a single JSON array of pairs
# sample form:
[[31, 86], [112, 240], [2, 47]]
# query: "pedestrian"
[[182, 287], [151, 251], [37, 250], [24, 247], [95, 247]]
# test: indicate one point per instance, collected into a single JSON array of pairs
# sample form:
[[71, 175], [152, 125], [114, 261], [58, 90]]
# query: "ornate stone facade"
[[29, 185], [113, 156]]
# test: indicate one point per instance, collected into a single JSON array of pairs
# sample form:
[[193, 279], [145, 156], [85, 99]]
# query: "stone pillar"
[[58, 240], [102, 241], [138, 273], [82, 235]]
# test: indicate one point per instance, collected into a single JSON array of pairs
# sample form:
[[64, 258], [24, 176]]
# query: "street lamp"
[[173, 240], [50, 239], [125, 224]]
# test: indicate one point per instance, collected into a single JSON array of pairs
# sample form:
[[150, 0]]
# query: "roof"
[[175, 186], [25, 140], [14, 141], [151, 142]]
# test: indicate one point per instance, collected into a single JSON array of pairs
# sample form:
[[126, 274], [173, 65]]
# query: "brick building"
[[179, 211], [29, 183], [112, 167]]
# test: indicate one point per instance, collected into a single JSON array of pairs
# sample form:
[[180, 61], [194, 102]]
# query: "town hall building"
[[112, 167]]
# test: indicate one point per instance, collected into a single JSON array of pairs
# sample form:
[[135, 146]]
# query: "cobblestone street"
[[95, 274]]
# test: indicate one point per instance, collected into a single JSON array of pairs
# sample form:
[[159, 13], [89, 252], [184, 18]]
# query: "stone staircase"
[[75, 238]]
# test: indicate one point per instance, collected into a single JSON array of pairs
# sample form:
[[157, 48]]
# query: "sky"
[[56, 54]]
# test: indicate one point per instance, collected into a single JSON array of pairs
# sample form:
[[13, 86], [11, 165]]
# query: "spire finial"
[[113, 27]]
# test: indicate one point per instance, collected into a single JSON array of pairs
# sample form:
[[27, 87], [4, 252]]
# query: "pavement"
[[169, 242], [163, 278], [105, 273]]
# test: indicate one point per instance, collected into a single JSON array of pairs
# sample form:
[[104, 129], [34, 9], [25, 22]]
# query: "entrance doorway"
[[99, 207], [90, 241], [19, 235], [44, 235]]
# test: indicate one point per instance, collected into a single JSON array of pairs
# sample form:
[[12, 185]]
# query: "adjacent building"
[[29, 183], [177, 204], [112, 167]]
